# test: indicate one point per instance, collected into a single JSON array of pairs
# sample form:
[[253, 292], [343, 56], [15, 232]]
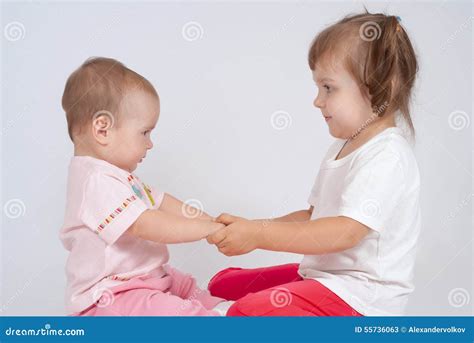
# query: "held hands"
[[239, 236]]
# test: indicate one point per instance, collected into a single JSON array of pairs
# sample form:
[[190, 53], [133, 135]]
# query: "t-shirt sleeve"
[[373, 189], [109, 207], [313, 195], [333, 149]]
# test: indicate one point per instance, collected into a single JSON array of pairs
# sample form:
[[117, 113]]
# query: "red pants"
[[276, 291]]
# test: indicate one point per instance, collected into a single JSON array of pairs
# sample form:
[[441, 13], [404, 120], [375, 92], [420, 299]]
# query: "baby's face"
[[131, 140], [341, 101]]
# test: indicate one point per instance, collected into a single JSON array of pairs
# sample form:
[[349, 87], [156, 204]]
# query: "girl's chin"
[[337, 135]]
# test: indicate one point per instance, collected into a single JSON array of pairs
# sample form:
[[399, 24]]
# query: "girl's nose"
[[317, 102], [150, 144]]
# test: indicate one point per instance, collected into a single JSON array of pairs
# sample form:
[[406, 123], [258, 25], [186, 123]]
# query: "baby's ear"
[[102, 123]]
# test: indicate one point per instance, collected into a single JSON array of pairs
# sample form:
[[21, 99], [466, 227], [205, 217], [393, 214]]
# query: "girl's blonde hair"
[[377, 52]]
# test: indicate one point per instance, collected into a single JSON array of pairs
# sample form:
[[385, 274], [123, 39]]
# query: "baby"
[[116, 227]]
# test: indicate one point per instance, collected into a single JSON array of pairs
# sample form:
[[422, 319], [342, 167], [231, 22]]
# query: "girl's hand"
[[228, 219], [237, 238]]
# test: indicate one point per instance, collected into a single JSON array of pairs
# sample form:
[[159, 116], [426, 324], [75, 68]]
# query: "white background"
[[215, 141]]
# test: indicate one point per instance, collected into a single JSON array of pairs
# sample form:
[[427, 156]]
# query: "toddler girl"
[[359, 235]]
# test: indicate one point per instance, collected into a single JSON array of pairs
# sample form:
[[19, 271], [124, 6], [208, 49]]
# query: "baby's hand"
[[216, 226]]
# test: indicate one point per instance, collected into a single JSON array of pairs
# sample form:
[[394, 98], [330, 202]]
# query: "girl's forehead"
[[331, 72]]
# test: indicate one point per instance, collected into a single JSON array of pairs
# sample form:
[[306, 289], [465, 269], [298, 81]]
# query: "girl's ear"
[[102, 124]]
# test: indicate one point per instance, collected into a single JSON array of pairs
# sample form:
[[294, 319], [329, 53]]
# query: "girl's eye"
[[146, 132]]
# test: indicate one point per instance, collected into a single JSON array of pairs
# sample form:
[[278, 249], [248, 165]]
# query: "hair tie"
[[399, 27]]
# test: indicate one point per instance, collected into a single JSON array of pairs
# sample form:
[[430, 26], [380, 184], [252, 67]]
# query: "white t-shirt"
[[102, 202], [378, 185]]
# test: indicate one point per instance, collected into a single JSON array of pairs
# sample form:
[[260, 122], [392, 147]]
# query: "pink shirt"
[[102, 202]]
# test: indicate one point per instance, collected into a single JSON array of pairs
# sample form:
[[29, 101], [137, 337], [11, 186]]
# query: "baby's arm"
[[177, 207], [165, 227]]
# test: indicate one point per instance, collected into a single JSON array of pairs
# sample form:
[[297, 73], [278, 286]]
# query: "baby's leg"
[[175, 294], [234, 283], [148, 302], [184, 286]]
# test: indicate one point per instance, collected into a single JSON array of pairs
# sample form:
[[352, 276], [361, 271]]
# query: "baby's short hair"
[[99, 84]]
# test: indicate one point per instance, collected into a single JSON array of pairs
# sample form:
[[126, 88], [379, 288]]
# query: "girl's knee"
[[217, 285]]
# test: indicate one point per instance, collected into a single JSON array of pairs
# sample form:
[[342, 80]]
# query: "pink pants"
[[176, 294], [276, 291]]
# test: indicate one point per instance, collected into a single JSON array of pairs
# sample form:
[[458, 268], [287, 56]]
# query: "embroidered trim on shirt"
[[131, 180], [148, 192], [115, 213], [137, 191]]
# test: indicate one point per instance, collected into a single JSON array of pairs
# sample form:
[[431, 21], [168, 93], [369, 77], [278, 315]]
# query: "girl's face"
[[344, 107], [132, 140]]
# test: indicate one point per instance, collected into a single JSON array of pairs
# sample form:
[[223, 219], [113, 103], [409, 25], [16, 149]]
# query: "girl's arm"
[[165, 227], [298, 216], [315, 237], [172, 205]]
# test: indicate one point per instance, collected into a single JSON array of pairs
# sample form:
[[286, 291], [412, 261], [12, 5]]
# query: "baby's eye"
[[327, 88], [146, 132]]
